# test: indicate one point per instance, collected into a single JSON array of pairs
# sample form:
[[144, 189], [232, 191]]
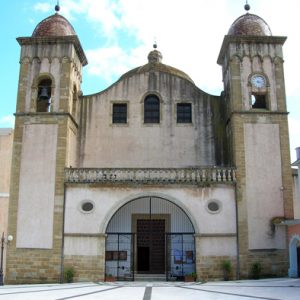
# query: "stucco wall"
[[108, 200], [136, 144], [6, 140], [264, 185], [37, 184]]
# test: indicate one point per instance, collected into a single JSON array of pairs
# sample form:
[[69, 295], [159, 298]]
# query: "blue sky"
[[118, 34]]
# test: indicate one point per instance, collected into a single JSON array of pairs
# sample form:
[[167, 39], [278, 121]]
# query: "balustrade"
[[150, 175]]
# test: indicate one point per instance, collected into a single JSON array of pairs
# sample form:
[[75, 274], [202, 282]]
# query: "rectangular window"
[[119, 113], [184, 113]]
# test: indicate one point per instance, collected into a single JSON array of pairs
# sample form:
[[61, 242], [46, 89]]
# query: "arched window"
[[151, 109], [44, 96]]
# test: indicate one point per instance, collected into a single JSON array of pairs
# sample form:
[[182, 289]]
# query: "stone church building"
[[151, 176]]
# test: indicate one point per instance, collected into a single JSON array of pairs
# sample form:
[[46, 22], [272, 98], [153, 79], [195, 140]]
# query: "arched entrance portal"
[[294, 270], [150, 235]]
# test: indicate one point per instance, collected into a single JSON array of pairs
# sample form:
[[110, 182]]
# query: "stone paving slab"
[[268, 289]]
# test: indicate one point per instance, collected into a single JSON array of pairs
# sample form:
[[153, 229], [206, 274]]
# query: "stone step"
[[150, 277]]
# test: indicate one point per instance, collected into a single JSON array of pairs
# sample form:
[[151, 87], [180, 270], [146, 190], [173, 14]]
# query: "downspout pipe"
[[238, 272]]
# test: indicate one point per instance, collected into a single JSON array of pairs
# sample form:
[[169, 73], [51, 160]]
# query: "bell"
[[44, 94]]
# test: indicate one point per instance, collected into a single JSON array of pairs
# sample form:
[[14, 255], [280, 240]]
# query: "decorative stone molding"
[[195, 176]]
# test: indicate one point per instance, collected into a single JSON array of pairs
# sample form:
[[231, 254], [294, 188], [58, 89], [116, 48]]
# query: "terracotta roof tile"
[[55, 25]]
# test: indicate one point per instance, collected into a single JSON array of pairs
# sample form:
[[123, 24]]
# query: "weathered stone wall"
[[167, 144], [36, 265], [88, 266], [240, 59], [26, 261], [85, 232]]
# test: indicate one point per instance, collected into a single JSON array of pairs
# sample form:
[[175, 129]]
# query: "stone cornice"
[[206, 235], [247, 39], [73, 39], [150, 176], [46, 114], [257, 111], [94, 235]]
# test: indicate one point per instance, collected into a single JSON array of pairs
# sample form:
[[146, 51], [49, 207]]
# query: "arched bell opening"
[[44, 96], [152, 238]]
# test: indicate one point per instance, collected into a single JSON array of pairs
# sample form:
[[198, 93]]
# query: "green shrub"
[[191, 276], [69, 273], [256, 270], [227, 268]]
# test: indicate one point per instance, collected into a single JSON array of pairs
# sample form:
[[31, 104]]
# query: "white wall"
[[108, 200], [263, 185], [37, 186]]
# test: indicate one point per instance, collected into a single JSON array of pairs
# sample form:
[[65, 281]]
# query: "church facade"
[[151, 176]]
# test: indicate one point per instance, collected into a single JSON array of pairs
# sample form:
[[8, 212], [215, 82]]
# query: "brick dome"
[[55, 25], [250, 24]]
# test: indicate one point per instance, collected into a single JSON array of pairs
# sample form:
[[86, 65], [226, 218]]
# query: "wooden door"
[[151, 246]]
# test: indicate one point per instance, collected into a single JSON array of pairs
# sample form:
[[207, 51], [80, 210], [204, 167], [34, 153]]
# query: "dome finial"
[[247, 6], [154, 44], [57, 7]]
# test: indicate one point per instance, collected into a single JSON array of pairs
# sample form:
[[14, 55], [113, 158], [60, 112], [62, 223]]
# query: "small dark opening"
[[143, 259], [87, 206], [213, 206], [259, 101]]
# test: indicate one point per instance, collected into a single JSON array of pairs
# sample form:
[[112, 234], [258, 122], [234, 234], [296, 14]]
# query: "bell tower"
[[257, 128], [45, 136]]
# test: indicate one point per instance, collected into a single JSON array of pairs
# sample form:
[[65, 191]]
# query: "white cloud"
[[7, 121], [112, 61], [189, 35], [184, 36], [43, 7], [103, 15], [189, 32]]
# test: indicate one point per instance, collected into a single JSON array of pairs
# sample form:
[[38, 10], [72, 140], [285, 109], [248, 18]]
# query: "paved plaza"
[[268, 289]]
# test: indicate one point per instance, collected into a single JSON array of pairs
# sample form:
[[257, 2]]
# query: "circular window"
[[214, 206], [87, 206]]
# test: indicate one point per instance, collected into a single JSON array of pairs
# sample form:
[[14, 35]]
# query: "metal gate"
[[180, 254], [150, 235], [119, 256]]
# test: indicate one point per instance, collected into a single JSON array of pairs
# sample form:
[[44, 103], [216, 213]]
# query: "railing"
[[150, 176]]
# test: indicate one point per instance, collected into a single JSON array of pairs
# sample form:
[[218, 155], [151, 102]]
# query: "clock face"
[[258, 81]]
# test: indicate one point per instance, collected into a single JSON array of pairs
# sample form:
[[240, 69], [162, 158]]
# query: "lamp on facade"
[[3, 242]]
